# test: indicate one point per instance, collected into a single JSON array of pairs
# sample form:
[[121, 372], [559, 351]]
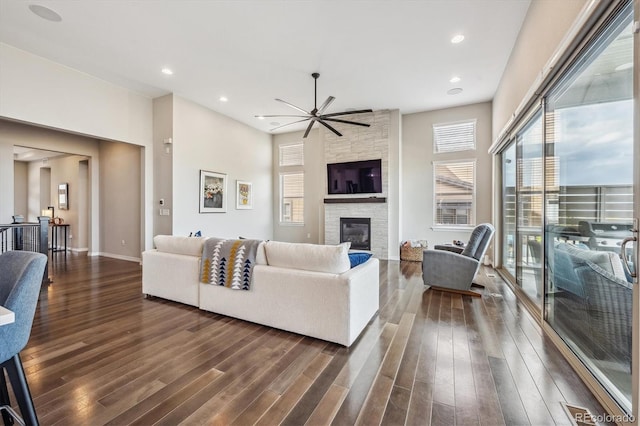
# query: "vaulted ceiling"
[[370, 54]]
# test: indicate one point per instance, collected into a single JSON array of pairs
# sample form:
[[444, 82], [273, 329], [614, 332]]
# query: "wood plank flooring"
[[102, 354]]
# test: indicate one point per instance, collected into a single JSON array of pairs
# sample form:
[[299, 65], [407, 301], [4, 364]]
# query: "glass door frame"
[[635, 331]]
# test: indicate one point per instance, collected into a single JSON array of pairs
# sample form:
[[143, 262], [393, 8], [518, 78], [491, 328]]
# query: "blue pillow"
[[357, 258]]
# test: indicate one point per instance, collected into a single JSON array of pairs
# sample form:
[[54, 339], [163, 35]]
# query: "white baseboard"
[[116, 256], [79, 250]]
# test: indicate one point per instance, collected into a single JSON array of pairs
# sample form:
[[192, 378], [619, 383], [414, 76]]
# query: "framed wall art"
[[63, 196], [244, 195], [213, 192]]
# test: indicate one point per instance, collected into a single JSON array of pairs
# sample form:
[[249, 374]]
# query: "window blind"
[[292, 155], [454, 137]]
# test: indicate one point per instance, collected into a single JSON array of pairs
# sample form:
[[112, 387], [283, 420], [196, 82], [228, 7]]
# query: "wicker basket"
[[413, 254]]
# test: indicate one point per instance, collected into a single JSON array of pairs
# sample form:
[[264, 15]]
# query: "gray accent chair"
[[447, 270], [21, 275]]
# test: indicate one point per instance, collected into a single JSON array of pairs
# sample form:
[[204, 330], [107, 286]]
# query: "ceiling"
[[384, 54], [21, 153]]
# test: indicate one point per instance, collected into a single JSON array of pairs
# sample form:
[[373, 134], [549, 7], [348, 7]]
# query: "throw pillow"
[[358, 258]]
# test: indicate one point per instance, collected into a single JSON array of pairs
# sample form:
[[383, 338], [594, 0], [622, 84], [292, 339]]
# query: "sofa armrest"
[[171, 276], [364, 294]]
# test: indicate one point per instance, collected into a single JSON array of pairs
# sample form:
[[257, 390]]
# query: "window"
[[291, 162], [452, 137], [292, 198], [454, 193], [292, 155]]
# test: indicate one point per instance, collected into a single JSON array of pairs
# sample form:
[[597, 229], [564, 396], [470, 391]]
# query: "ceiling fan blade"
[[306, 133], [330, 128], [270, 116], [337, 120], [293, 106], [288, 124], [325, 105], [335, 114]]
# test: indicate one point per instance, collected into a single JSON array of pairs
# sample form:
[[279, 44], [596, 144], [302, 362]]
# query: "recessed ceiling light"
[[167, 71], [454, 91], [45, 13], [260, 117], [623, 67], [223, 99], [454, 79], [457, 38]]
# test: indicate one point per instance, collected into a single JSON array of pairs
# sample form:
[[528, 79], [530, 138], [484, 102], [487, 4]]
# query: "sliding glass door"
[[509, 209], [589, 207], [529, 190], [569, 199]]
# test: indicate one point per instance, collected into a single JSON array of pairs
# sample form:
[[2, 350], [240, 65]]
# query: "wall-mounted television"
[[355, 177]]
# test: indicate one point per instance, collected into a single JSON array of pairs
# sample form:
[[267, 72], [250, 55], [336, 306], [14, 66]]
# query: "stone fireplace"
[[357, 231], [362, 144]]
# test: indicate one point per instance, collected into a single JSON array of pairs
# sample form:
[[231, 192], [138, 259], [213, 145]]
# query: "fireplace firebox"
[[357, 231]]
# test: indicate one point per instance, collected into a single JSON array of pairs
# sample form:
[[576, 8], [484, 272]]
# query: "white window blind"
[[454, 193], [453, 137], [292, 155], [292, 198]]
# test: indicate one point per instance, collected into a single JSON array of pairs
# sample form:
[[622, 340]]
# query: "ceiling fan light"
[[317, 114]]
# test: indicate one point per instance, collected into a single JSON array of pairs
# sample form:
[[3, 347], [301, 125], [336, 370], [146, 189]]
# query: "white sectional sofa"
[[303, 288]]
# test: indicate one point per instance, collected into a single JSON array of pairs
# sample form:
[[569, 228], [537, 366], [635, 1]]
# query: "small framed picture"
[[244, 195], [63, 196], [213, 192]]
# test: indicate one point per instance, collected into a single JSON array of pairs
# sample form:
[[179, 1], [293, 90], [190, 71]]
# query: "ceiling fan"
[[317, 114]]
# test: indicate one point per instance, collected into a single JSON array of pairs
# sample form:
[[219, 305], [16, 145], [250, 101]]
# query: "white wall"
[[314, 189], [417, 170], [21, 188], [206, 140], [41, 92], [162, 164], [120, 200], [544, 27]]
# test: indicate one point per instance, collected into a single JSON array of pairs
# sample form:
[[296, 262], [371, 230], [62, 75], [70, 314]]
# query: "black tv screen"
[[356, 177]]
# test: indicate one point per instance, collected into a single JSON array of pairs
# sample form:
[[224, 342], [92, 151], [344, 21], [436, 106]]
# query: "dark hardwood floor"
[[102, 354]]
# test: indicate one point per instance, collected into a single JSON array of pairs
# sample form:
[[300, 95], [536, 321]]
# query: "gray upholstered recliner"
[[447, 270], [20, 280]]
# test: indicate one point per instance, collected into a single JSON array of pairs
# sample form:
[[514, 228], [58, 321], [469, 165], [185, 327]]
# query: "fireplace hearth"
[[357, 231]]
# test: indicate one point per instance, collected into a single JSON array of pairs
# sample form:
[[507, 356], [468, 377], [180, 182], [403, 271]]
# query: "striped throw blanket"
[[228, 263]]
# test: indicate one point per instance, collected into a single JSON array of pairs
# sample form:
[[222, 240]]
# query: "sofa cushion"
[[189, 246], [607, 260], [308, 257]]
